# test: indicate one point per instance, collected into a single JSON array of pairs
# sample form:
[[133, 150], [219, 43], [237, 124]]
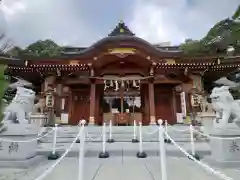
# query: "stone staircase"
[[119, 133]]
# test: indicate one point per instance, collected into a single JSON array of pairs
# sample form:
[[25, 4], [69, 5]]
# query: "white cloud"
[[175, 20], [11, 7], [76, 22], [30, 20]]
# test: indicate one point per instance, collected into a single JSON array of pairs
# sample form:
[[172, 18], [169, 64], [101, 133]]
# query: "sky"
[[83, 22]]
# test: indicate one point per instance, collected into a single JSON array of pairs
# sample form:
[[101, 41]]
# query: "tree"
[[15, 51], [46, 48], [5, 43], [194, 47], [236, 15], [3, 81], [224, 34]]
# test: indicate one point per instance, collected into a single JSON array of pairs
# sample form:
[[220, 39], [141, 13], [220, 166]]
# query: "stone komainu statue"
[[21, 105], [227, 109]]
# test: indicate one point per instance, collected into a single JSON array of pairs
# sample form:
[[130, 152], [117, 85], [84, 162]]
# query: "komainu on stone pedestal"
[[227, 109], [224, 140]]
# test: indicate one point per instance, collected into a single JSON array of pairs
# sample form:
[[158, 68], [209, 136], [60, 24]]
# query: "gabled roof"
[[121, 30], [121, 33]]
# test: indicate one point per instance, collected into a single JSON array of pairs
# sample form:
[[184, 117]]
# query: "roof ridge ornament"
[[121, 30]]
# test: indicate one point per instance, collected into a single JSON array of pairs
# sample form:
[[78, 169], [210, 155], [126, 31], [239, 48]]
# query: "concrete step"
[[92, 149], [119, 134], [120, 129], [124, 135], [119, 139]]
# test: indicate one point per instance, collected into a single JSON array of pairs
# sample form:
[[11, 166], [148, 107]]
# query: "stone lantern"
[[66, 89]]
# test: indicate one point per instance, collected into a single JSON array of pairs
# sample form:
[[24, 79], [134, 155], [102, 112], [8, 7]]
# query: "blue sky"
[[82, 22]]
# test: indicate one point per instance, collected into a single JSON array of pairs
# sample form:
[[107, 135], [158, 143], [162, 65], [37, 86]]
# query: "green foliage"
[[236, 15], [45, 48], [228, 30], [3, 87], [42, 49], [193, 47], [15, 51]]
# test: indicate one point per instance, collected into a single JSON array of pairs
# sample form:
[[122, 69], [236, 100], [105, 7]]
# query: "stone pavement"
[[125, 148], [127, 168], [121, 165]]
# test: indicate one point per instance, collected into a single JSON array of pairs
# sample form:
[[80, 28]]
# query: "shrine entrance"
[[122, 107], [123, 74], [121, 102]]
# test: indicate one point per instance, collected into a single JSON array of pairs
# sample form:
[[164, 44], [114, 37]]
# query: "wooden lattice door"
[[81, 107], [164, 106]]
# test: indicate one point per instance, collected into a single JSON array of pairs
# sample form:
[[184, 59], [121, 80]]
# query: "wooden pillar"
[[58, 100], [92, 104], [146, 103], [49, 82], [121, 92], [174, 104], [151, 103]]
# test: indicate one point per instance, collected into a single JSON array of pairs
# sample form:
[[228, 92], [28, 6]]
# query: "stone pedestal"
[[207, 120], [38, 119], [225, 151], [21, 152]]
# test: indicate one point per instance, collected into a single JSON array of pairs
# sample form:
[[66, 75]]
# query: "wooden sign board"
[[122, 51], [74, 62], [170, 61]]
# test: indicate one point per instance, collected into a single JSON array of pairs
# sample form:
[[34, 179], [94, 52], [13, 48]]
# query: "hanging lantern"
[[128, 85], [50, 79], [58, 72], [138, 86], [105, 85], [66, 89], [116, 85], [134, 83], [122, 84], [111, 83]]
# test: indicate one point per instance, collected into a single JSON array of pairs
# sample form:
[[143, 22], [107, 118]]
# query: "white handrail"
[[26, 141], [205, 166], [49, 170]]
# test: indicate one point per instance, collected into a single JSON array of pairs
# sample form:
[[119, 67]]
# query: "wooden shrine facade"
[[122, 78]]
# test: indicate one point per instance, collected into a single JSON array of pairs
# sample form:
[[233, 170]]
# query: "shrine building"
[[122, 78]]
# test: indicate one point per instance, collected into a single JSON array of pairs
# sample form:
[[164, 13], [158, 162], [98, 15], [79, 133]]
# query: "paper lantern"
[[50, 79], [50, 100], [178, 88], [66, 89]]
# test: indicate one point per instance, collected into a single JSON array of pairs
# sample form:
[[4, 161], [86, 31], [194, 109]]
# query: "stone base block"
[[225, 144], [207, 120], [10, 150], [211, 161], [22, 164]]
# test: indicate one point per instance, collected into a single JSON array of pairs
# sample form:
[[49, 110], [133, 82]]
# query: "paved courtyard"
[[119, 166]]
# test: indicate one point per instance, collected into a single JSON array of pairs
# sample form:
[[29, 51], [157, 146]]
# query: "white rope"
[[26, 141], [175, 129], [59, 160], [205, 166], [152, 132], [89, 137], [213, 137]]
